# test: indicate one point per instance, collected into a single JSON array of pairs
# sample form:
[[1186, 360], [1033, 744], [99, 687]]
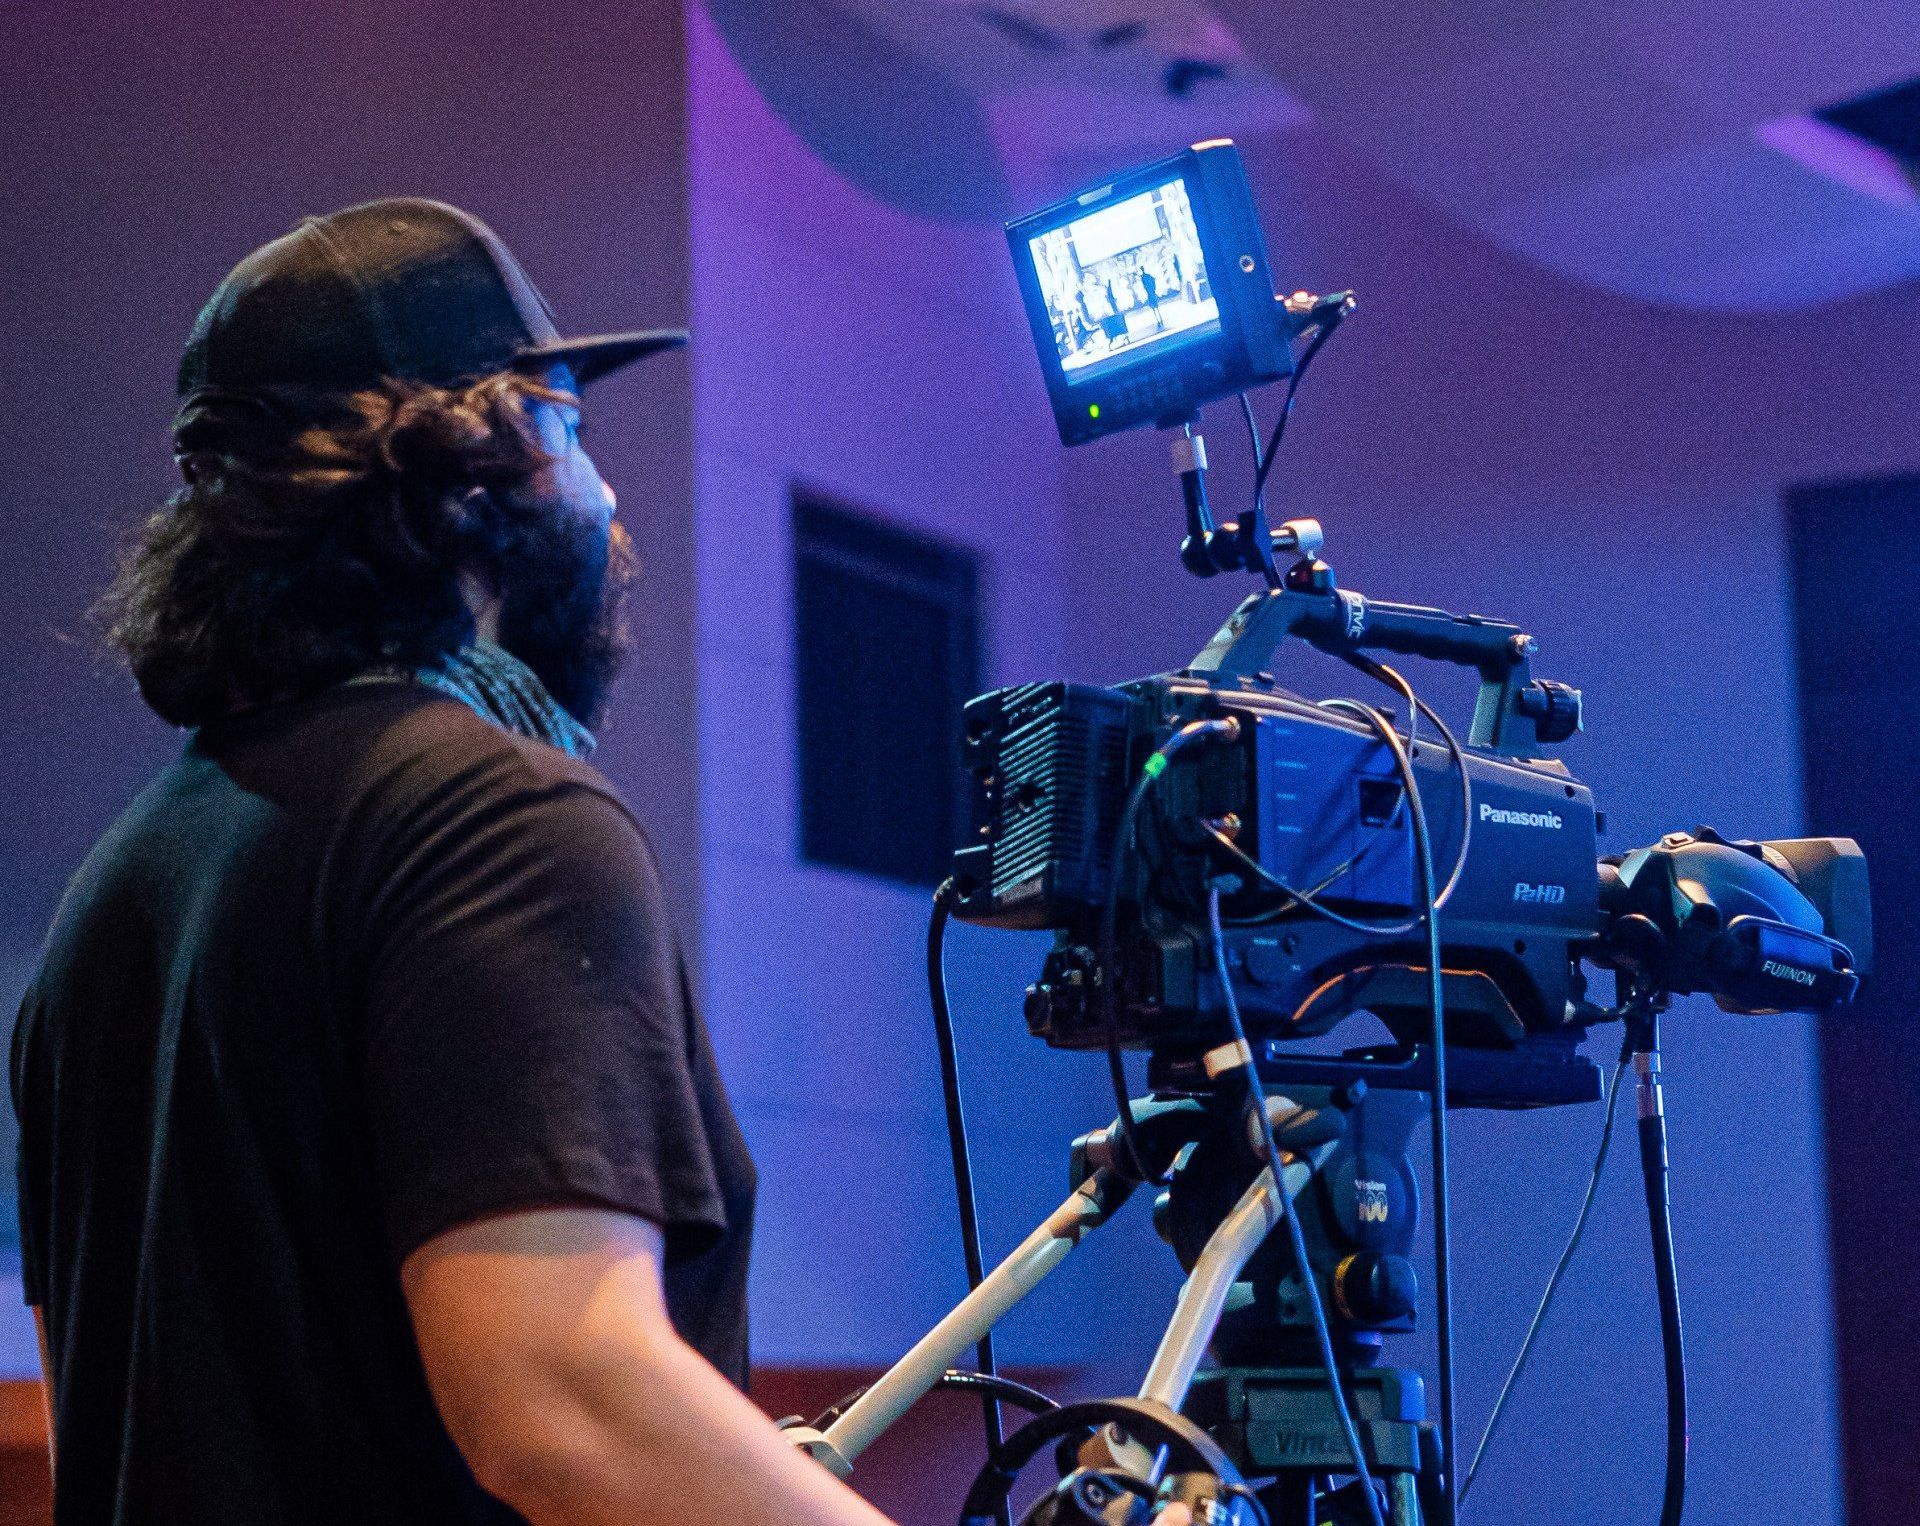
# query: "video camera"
[[1301, 801], [1298, 801], [1229, 867]]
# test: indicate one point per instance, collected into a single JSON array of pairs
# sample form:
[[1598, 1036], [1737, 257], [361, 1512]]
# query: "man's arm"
[[560, 1377], [46, 1376]]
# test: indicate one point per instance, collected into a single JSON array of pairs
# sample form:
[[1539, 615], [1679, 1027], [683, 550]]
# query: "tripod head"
[[1358, 1214], [1352, 1118]]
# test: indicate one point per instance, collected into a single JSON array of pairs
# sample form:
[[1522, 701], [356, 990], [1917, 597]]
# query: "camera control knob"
[[1555, 708], [1371, 1289]]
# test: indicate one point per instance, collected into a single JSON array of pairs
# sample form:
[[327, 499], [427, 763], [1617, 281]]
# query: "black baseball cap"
[[403, 287]]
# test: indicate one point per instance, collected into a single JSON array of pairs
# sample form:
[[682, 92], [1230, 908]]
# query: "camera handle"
[[1090, 1205], [1515, 714]]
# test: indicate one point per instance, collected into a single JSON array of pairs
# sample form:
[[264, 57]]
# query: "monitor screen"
[[1125, 279]]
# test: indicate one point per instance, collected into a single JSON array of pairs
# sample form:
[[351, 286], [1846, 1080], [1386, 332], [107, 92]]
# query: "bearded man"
[[374, 1166]]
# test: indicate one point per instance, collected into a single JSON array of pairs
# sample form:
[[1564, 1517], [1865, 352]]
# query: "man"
[[373, 1163]]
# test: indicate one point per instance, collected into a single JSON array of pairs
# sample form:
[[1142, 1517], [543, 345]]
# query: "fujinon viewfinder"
[[1149, 294]]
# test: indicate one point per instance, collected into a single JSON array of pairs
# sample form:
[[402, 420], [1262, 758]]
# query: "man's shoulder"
[[421, 746], [371, 755]]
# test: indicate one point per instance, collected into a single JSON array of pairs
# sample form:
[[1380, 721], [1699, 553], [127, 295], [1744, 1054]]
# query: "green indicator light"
[[1093, 410]]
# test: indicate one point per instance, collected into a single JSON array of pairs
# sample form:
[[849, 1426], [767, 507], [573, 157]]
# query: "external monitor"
[[1149, 294]]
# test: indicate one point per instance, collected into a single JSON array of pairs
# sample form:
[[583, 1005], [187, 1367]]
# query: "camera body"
[[1149, 296], [1312, 796]]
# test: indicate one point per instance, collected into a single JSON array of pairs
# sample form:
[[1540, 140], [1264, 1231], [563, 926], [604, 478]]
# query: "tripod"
[[1263, 1415], [1267, 1402]]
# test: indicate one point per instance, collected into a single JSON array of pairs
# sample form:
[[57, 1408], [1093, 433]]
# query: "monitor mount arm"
[[1245, 544]]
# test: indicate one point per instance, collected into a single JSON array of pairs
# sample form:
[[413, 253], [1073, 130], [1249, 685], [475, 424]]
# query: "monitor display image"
[[1125, 279]]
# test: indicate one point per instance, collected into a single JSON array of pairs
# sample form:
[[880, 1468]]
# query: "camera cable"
[[1553, 1284], [962, 1163], [1309, 899], [1106, 956], [1253, 439], [1333, 876], [1643, 1043], [1442, 1194], [1264, 464], [957, 1379], [1257, 1097]]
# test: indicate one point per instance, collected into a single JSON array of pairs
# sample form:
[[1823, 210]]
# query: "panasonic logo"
[[1539, 895], [1505, 818], [1781, 971]]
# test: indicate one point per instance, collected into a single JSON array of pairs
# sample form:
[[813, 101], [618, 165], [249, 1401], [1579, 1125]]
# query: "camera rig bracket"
[[1515, 714]]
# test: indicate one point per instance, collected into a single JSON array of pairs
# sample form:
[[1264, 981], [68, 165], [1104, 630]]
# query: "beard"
[[563, 608]]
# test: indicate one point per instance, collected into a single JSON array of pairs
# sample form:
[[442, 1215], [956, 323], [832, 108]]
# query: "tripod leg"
[[1204, 1294], [914, 1374]]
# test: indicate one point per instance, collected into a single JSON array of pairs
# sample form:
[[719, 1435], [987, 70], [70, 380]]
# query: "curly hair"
[[319, 535]]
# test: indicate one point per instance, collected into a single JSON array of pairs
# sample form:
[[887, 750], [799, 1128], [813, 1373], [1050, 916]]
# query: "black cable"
[[1653, 1156], [1254, 867], [1416, 706], [1107, 994], [1308, 898], [1455, 754], [962, 1159], [1253, 436], [1265, 465], [1553, 1283], [1442, 1193], [1259, 455], [1320, 886], [1643, 1037], [1257, 1095], [1019, 1395], [1258, 535]]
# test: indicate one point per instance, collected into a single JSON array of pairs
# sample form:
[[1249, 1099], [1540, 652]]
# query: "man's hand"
[[548, 1346]]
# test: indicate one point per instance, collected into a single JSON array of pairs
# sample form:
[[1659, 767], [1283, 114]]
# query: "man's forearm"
[[547, 1340], [46, 1377], [650, 1433]]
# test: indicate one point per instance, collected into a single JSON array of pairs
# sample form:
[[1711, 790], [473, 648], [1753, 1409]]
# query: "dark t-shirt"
[[350, 973]]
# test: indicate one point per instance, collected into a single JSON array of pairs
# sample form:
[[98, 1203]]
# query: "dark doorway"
[[1855, 549]]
